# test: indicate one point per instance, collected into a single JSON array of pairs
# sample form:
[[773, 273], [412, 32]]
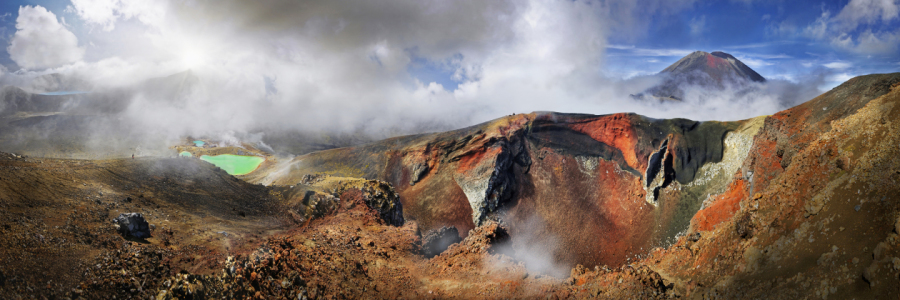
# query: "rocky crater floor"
[[800, 204]]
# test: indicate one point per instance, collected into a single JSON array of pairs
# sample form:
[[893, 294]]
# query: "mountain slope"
[[716, 71], [814, 209], [718, 65], [615, 183]]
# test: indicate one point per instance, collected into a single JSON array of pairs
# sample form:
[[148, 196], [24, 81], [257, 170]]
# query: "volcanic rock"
[[133, 225], [659, 172], [436, 241], [486, 182], [321, 195], [694, 237], [320, 204], [381, 197], [310, 179]]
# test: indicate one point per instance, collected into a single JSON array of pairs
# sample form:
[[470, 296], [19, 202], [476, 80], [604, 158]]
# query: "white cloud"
[[698, 25], [782, 28], [106, 13], [101, 12], [756, 45], [819, 28], [868, 12], [41, 41], [620, 47], [838, 65], [840, 77], [869, 42], [758, 55], [633, 51], [862, 27], [343, 65]]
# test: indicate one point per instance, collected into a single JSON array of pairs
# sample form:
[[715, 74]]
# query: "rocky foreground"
[[800, 204]]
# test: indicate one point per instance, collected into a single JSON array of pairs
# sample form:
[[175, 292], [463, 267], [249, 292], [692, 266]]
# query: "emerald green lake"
[[185, 154], [234, 164]]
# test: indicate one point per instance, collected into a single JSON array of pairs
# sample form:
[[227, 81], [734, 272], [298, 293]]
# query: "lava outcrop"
[[577, 178]]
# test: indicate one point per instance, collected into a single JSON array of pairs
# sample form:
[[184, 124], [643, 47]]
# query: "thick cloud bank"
[[380, 68], [41, 41]]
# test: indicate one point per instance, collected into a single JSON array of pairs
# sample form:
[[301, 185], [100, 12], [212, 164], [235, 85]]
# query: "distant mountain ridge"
[[700, 68], [717, 64]]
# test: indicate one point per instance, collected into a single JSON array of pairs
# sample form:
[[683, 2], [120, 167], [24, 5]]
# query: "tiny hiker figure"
[[132, 156]]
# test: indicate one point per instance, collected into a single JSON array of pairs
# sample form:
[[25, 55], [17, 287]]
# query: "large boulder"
[[133, 225], [380, 196], [318, 204]]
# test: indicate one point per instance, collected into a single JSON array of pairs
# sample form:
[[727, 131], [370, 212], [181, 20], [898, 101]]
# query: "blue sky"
[[450, 62]]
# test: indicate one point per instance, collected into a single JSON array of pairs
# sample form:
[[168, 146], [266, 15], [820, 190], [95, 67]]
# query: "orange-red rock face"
[[570, 187], [723, 207], [435, 196], [816, 211], [601, 220], [615, 130], [714, 62]]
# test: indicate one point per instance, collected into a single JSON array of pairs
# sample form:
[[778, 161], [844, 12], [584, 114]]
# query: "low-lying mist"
[[152, 115]]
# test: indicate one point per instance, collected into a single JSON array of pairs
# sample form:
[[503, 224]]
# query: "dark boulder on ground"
[[381, 197], [133, 225], [320, 204]]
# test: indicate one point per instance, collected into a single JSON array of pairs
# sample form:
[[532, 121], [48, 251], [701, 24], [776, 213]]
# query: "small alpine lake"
[[234, 164]]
